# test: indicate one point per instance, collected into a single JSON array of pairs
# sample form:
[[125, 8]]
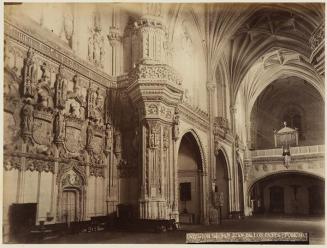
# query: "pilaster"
[[211, 87]]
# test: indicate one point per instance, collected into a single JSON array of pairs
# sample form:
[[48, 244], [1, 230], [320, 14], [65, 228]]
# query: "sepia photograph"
[[163, 123]]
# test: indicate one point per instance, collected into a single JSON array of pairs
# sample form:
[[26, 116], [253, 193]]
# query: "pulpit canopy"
[[286, 137]]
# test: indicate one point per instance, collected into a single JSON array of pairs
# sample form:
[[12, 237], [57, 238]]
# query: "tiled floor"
[[314, 225]]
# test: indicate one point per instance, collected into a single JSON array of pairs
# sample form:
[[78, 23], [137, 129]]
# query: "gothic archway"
[[222, 184], [190, 180], [275, 104], [290, 193]]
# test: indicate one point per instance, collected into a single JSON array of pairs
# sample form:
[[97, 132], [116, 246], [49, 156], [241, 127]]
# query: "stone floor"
[[313, 225]]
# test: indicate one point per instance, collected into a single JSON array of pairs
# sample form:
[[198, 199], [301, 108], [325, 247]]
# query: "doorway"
[[189, 165], [276, 199], [222, 184], [69, 206]]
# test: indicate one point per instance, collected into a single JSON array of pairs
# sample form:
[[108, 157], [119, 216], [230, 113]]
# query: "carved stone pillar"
[[157, 145], [156, 90]]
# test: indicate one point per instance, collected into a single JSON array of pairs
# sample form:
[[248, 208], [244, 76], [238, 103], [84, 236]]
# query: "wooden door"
[[69, 206]]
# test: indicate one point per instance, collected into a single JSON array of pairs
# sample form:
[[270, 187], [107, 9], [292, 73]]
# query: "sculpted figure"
[[60, 86], [176, 125], [108, 140], [90, 48], [76, 88], [43, 98], [217, 145], [29, 74], [74, 109], [27, 118], [89, 138], [96, 52], [166, 138], [59, 127], [154, 137], [117, 142]]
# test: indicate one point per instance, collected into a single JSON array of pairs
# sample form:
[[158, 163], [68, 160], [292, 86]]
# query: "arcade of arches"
[[179, 111]]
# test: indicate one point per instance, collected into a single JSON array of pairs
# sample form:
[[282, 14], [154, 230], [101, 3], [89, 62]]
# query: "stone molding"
[[196, 117]]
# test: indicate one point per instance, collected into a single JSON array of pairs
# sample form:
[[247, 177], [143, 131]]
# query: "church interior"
[[192, 114]]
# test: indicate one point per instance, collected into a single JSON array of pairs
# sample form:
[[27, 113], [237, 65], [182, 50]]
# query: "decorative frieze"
[[155, 72], [39, 165], [96, 171], [37, 42], [156, 110], [11, 162]]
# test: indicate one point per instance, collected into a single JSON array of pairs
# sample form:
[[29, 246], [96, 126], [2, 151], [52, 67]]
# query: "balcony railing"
[[298, 150]]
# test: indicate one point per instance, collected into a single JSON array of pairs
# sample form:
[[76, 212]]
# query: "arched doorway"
[[289, 193], [189, 165], [71, 198], [222, 184]]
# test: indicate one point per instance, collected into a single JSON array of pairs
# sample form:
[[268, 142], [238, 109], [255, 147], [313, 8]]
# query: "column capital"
[[211, 86], [114, 36]]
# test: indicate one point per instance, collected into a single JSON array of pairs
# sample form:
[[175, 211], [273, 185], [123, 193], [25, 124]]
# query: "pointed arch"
[[199, 144], [228, 162]]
